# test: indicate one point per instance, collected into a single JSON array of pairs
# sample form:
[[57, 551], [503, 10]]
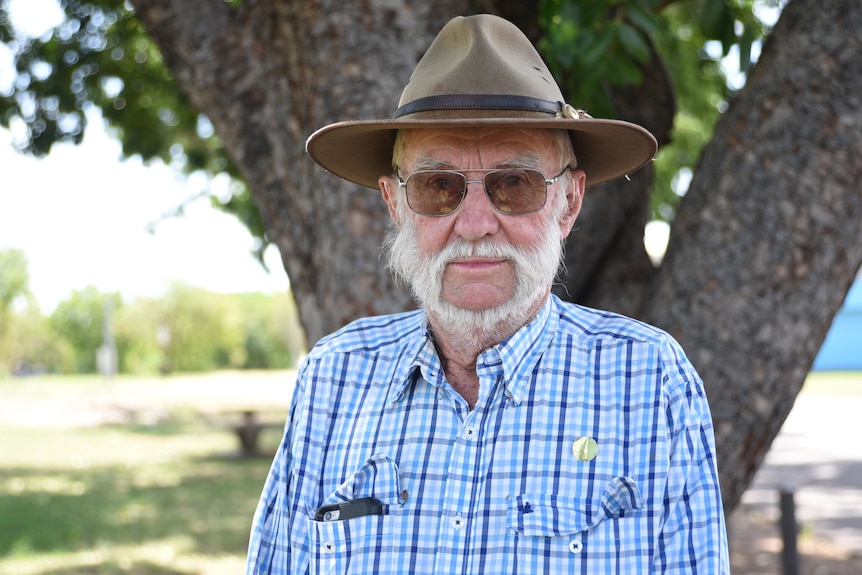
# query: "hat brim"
[[361, 151]]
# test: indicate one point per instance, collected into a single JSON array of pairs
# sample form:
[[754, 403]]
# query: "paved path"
[[819, 453]]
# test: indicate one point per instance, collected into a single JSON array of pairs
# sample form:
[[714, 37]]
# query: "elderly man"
[[498, 429]]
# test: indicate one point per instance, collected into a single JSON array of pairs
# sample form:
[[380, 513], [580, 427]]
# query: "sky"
[[81, 216]]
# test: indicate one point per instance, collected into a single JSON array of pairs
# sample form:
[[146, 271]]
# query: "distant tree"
[[273, 336], [27, 343], [79, 320], [191, 329], [31, 346], [14, 278], [201, 330], [137, 330]]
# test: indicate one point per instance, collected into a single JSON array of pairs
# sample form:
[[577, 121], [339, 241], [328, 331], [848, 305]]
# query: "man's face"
[[477, 259]]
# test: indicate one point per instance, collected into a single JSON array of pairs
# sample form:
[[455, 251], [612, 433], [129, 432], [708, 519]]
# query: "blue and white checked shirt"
[[499, 488]]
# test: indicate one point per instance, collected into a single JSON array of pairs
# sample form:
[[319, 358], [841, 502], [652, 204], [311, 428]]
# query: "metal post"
[[789, 532]]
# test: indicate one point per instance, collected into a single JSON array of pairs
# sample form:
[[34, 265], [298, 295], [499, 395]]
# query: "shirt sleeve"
[[693, 538], [269, 549]]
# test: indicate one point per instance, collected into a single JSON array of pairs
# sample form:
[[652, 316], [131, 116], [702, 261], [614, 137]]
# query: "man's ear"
[[574, 197], [389, 190]]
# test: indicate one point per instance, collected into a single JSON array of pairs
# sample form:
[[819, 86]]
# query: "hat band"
[[478, 102]]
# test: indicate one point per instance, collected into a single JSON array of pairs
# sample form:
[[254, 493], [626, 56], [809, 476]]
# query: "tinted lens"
[[435, 193], [438, 193], [516, 191]]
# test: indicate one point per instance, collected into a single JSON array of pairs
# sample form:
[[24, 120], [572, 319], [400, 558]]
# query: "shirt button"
[[575, 546], [329, 547], [458, 522], [470, 432]]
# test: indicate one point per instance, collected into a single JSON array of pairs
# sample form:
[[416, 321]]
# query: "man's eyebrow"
[[429, 163], [526, 161]]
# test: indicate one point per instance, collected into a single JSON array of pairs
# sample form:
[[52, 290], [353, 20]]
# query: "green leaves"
[[732, 23], [597, 46], [101, 58], [14, 278], [633, 42]]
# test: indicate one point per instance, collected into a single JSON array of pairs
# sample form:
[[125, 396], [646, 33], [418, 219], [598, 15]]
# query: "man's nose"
[[477, 216]]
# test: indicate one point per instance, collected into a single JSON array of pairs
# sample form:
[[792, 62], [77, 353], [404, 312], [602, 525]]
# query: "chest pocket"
[[350, 545], [606, 528], [558, 515]]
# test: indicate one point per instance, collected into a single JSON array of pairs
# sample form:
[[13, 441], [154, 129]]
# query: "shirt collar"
[[420, 355], [514, 358]]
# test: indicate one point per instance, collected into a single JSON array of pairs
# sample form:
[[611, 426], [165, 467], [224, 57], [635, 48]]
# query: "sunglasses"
[[512, 191]]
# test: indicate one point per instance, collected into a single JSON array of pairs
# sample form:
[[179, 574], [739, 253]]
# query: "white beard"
[[535, 270]]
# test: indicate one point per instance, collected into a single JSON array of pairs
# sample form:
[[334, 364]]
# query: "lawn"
[[132, 476], [141, 476]]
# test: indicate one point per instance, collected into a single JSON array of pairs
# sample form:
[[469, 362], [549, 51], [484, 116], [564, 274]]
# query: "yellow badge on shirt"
[[585, 448]]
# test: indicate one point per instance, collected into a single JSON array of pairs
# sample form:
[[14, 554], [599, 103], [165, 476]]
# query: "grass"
[[154, 488], [140, 477]]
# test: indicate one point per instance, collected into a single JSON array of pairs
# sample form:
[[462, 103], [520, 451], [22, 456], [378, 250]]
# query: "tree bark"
[[268, 73], [763, 250], [766, 243]]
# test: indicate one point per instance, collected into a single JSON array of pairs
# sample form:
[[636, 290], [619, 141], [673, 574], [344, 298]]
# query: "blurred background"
[[148, 347]]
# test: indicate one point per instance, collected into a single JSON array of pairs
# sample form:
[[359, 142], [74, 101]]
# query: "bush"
[[80, 321], [188, 329], [273, 337], [30, 346]]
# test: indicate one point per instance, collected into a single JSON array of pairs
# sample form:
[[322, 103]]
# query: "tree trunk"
[[762, 253], [268, 73], [766, 243]]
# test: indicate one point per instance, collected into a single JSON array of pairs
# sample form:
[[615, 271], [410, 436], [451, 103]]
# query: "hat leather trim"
[[478, 102]]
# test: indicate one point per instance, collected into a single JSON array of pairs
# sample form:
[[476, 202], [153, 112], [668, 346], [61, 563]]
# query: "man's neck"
[[459, 364], [458, 357]]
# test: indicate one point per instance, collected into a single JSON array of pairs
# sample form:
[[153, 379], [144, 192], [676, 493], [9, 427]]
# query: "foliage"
[[605, 42], [203, 330], [273, 338], [100, 58], [26, 341], [80, 321], [601, 42], [188, 329], [191, 329], [14, 278], [31, 346]]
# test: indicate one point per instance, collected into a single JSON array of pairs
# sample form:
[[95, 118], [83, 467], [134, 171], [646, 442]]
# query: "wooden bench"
[[248, 431]]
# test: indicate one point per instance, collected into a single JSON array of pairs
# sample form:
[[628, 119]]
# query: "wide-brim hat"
[[481, 71]]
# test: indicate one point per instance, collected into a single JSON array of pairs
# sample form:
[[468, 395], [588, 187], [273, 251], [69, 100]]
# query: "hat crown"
[[481, 55]]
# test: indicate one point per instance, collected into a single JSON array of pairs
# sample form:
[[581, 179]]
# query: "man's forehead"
[[498, 143]]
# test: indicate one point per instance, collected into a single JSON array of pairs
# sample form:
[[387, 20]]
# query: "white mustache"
[[461, 249]]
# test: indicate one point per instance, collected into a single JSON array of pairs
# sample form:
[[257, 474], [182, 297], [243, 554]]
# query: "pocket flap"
[[557, 515], [378, 477]]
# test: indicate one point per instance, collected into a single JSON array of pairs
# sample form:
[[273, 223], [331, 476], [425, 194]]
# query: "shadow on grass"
[[210, 501]]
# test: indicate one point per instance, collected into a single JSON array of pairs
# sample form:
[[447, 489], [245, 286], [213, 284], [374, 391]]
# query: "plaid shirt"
[[590, 450]]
